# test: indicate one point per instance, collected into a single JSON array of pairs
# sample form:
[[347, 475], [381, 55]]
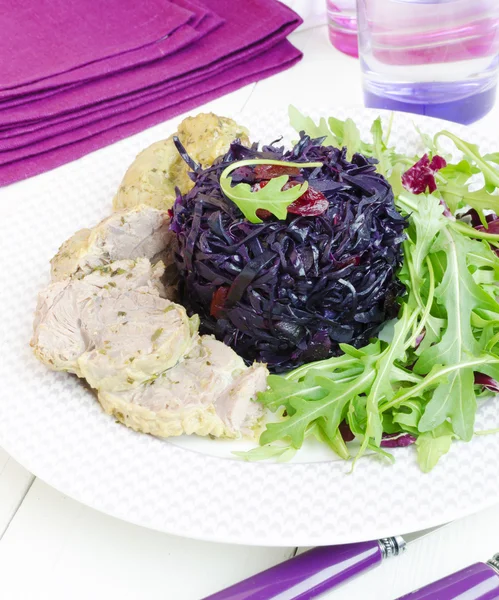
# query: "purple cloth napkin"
[[265, 16], [202, 21], [72, 123], [53, 132], [55, 36], [281, 57]]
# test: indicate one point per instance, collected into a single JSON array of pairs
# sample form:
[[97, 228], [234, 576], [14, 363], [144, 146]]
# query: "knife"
[[476, 582], [316, 571]]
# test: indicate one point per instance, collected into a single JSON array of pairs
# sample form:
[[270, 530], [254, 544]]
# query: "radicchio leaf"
[[397, 440], [487, 382], [421, 176]]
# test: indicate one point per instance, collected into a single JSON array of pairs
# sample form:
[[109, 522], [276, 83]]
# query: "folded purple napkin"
[[279, 58], [202, 21], [46, 37], [266, 17], [57, 129], [61, 129]]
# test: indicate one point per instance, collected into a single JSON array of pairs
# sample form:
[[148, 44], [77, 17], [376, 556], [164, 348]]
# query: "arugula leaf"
[[351, 138], [340, 134], [380, 149], [409, 414], [335, 442], [271, 197], [382, 385], [493, 157], [481, 200], [428, 220], [335, 363], [357, 416], [454, 399], [472, 151], [459, 294], [453, 181], [487, 432], [301, 123], [306, 412], [281, 392], [433, 445], [281, 453], [428, 141]]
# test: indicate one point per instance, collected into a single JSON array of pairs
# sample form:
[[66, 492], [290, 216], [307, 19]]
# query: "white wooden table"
[[53, 547]]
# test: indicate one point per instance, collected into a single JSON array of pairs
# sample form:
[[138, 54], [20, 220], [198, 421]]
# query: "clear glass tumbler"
[[342, 25], [431, 57]]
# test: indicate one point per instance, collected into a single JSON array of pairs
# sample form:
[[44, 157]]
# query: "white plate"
[[190, 486]]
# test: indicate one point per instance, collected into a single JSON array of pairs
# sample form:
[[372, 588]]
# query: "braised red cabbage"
[[289, 292]]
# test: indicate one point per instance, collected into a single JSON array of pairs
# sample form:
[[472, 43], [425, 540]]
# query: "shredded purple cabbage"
[[295, 289]]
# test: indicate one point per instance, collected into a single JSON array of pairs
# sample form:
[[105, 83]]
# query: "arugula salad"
[[430, 232]]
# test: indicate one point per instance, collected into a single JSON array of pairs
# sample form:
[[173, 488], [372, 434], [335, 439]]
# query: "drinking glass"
[[342, 25], [431, 57]]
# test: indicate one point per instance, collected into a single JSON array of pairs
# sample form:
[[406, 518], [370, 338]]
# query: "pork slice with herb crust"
[[209, 392], [159, 169], [137, 335], [63, 329], [139, 232]]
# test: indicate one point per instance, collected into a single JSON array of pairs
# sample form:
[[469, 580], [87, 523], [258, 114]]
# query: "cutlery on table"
[[321, 569], [479, 581]]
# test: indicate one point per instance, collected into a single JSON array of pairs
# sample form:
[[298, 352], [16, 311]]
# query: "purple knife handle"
[[477, 582], [311, 573]]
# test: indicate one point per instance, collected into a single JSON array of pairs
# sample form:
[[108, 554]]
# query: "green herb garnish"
[[271, 197], [156, 334]]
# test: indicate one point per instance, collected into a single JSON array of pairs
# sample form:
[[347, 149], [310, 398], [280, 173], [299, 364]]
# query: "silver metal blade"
[[417, 535]]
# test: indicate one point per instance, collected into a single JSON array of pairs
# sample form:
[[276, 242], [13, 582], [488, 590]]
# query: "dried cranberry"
[[271, 171], [353, 260], [263, 214], [310, 204], [218, 302]]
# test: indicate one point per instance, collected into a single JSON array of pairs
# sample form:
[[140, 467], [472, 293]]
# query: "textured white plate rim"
[[368, 533], [259, 504]]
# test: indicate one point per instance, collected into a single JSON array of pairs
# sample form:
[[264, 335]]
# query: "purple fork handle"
[[307, 575], [477, 582]]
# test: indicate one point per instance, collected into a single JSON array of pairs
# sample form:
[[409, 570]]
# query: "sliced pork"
[[68, 315], [139, 232], [108, 317], [209, 392]]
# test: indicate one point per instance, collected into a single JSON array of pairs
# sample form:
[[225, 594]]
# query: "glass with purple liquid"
[[342, 25], [431, 57]]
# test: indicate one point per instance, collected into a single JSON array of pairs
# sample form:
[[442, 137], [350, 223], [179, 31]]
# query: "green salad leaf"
[[431, 446], [421, 380], [271, 197]]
